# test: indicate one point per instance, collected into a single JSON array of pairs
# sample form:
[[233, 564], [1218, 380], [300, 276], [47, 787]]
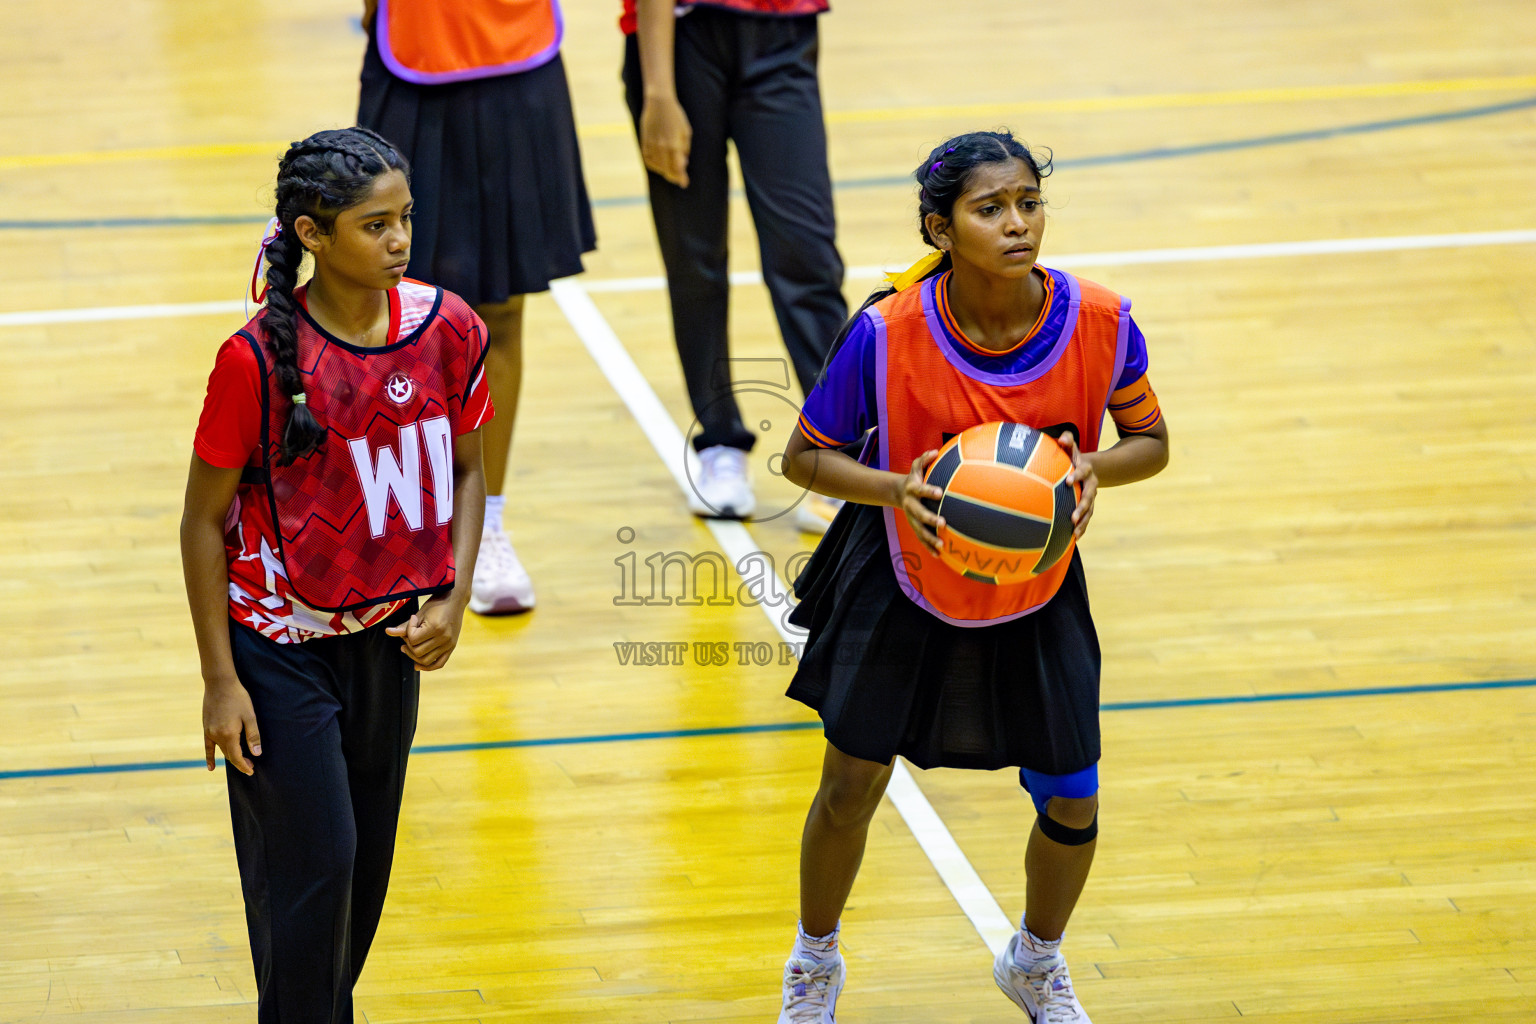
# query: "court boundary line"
[[1140, 257], [1126, 258], [1251, 142], [1106, 159], [875, 115], [748, 729]]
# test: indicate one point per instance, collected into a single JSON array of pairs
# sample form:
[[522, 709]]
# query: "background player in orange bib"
[[906, 656], [335, 482], [474, 94]]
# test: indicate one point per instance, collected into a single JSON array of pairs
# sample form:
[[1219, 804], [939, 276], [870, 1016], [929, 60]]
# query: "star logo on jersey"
[[399, 388]]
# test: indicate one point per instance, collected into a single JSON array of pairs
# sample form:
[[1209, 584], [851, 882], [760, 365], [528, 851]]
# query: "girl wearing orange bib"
[[437, 43], [474, 94], [904, 656]]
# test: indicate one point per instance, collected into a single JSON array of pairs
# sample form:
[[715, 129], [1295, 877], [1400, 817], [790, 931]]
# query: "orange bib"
[[431, 42], [927, 392]]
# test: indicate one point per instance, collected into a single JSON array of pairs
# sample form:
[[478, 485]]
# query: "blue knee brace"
[[1076, 786], [1042, 787]]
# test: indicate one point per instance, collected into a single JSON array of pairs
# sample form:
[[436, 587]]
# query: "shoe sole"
[[728, 514], [506, 606], [703, 511]]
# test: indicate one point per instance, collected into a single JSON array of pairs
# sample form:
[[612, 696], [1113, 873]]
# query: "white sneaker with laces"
[[1044, 992], [501, 585], [810, 991], [815, 512], [721, 486]]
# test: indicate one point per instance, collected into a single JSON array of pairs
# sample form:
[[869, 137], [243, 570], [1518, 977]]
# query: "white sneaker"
[[811, 990], [1044, 992], [815, 512], [721, 488], [501, 585]]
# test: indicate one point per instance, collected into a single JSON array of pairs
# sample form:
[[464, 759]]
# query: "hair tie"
[[300, 398], [916, 272], [270, 234], [935, 166]]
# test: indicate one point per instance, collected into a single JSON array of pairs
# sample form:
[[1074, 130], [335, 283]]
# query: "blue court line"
[[745, 730], [1256, 142], [1134, 156]]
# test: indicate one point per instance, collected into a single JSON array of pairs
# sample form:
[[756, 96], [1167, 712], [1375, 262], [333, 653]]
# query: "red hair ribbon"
[[270, 234]]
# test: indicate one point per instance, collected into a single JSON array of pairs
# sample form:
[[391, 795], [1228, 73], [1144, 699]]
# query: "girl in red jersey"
[[904, 655], [336, 481]]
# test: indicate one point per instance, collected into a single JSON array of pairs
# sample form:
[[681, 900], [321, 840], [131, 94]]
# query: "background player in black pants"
[[743, 70]]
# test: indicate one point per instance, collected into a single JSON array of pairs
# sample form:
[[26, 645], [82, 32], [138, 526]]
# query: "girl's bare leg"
[[832, 846]]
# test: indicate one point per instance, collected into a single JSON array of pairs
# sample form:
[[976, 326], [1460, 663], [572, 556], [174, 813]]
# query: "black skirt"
[[501, 205], [889, 678]]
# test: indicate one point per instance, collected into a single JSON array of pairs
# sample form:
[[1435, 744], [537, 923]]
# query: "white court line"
[[1196, 254], [1261, 250], [929, 830], [97, 313]]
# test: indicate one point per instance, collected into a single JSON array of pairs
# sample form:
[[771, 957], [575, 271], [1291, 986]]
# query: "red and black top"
[[337, 541]]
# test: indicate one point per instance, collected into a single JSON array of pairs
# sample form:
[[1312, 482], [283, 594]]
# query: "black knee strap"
[[1056, 832]]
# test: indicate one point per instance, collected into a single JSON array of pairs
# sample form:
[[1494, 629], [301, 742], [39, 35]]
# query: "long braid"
[[318, 177], [303, 434]]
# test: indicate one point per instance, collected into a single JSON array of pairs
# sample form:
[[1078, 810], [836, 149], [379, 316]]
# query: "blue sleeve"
[[843, 404], [1135, 357]]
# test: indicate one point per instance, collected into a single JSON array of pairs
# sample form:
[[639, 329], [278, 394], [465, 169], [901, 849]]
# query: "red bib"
[[368, 517], [430, 42], [927, 392]]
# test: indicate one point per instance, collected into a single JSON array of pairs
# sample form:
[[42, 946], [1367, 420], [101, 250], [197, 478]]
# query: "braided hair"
[[318, 178], [941, 180]]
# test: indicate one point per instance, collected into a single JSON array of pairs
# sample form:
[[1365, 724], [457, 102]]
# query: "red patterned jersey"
[[336, 542]]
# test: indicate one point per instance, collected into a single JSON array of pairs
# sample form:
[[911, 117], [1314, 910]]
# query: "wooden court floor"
[[1319, 624]]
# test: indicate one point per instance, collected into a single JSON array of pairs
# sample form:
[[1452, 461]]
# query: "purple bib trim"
[[883, 435], [1122, 342], [946, 344], [399, 70]]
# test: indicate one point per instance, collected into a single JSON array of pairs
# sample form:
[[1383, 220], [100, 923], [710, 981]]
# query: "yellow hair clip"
[[916, 272]]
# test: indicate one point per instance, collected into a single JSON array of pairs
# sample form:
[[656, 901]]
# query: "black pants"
[[750, 79], [315, 826]]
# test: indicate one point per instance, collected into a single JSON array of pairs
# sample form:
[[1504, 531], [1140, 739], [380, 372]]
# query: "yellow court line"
[[105, 156], [1088, 104]]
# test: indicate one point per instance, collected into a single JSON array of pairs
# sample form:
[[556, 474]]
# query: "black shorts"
[[889, 678], [501, 205]]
